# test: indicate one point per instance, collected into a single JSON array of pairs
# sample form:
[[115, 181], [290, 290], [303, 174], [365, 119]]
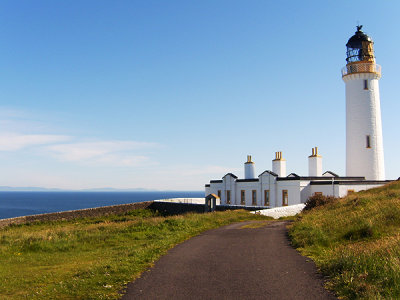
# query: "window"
[[254, 197], [285, 198], [368, 141], [266, 198], [228, 197], [242, 197], [219, 194], [318, 194], [365, 84]]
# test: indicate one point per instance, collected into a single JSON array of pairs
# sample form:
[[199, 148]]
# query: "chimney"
[[279, 165], [315, 163], [249, 170]]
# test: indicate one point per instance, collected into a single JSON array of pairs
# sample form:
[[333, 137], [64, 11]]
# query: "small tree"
[[318, 200]]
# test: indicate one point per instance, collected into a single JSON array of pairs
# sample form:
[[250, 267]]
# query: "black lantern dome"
[[360, 48]]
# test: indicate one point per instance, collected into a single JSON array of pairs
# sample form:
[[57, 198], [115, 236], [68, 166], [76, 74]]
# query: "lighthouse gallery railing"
[[361, 68]]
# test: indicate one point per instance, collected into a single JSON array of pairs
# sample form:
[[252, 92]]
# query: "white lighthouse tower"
[[364, 143]]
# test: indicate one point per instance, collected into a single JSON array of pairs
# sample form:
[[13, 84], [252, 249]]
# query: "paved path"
[[232, 263]]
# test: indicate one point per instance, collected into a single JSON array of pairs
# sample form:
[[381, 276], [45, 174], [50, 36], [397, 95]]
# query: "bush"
[[318, 200], [359, 232]]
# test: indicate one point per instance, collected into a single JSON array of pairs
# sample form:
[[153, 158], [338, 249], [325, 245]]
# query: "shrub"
[[359, 232], [318, 200]]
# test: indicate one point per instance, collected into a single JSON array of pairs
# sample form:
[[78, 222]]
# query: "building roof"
[[247, 180], [230, 174], [294, 176], [326, 178], [327, 173], [269, 172], [350, 182], [210, 196]]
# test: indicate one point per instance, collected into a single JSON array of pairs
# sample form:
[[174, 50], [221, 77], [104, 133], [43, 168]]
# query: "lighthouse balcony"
[[360, 67]]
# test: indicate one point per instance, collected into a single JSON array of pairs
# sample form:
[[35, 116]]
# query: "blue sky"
[[171, 94]]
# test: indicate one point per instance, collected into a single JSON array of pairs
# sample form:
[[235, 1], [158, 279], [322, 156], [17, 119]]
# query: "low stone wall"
[[165, 208], [74, 214], [174, 208]]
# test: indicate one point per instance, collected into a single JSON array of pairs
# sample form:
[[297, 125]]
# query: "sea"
[[16, 204]]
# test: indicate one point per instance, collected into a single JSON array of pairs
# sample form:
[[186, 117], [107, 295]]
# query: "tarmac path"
[[232, 262]]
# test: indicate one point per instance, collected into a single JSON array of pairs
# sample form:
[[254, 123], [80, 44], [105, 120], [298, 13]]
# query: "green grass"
[[93, 258], [356, 241]]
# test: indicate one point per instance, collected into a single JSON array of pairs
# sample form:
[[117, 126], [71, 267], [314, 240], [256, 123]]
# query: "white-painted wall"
[[363, 118], [344, 189], [213, 189], [305, 190], [268, 182], [248, 187], [279, 167], [315, 165], [298, 190], [326, 190], [187, 200], [293, 188], [228, 183], [207, 190], [249, 170]]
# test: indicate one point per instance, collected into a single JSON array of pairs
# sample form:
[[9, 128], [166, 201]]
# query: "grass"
[[93, 258], [356, 241]]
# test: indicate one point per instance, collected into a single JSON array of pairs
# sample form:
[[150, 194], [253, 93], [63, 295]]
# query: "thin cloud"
[[209, 170], [19, 131], [117, 153], [196, 170], [14, 141]]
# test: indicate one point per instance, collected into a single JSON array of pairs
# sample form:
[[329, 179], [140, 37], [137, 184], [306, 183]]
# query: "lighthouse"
[[364, 142], [364, 147]]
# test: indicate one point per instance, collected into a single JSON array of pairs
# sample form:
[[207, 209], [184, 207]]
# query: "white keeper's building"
[[364, 147]]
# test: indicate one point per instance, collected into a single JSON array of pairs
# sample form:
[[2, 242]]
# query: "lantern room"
[[360, 48], [360, 55]]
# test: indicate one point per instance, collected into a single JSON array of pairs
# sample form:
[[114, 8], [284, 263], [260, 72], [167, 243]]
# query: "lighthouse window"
[[254, 197], [228, 197], [242, 197], [266, 197], [365, 84], [285, 198], [368, 141]]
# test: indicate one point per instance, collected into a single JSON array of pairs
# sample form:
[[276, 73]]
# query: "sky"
[[167, 95]]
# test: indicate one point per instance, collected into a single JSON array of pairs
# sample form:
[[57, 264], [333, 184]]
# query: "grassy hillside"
[[93, 258], [356, 241]]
